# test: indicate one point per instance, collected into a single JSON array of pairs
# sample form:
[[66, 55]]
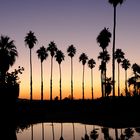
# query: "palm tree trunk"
[[83, 81], [60, 82], [41, 81], [92, 83], [113, 52], [116, 134], [118, 80], [105, 81], [51, 78], [71, 79], [31, 75], [126, 82], [32, 132], [102, 83]]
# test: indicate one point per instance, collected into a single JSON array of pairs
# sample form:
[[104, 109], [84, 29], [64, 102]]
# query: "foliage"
[[13, 78]]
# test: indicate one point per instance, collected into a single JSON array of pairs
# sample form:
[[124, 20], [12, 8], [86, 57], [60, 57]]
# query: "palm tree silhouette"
[[30, 40], [135, 68], [104, 38], [114, 3], [91, 65], [8, 54], [119, 56], [125, 65], [83, 58], [52, 48], [71, 52], [42, 55], [59, 58], [105, 57]]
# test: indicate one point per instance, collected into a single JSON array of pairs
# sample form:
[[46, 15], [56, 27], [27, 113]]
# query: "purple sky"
[[67, 22]]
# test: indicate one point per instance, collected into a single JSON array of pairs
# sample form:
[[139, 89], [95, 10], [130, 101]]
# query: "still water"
[[75, 131]]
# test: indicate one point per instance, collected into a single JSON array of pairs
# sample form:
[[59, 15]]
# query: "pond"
[[75, 131]]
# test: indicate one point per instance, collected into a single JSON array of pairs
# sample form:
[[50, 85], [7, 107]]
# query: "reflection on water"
[[75, 131]]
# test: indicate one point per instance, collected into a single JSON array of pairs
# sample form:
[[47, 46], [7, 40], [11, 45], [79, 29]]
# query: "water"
[[75, 131]]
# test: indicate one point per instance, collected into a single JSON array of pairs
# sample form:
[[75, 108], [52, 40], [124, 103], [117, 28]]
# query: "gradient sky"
[[67, 22]]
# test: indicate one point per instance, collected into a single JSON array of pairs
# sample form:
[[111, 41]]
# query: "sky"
[[76, 22]]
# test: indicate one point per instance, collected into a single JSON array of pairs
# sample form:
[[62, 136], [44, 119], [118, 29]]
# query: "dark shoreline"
[[111, 112]]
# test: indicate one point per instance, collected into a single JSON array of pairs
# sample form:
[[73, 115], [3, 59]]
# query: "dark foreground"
[[111, 112]]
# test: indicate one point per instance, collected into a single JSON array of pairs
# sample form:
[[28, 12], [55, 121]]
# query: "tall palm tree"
[[52, 48], [91, 65], [119, 56], [83, 58], [114, 3], [30, 40], [105, 57], [42, 55], [8, 54], [125, 65], [71, 52], [59, 58]]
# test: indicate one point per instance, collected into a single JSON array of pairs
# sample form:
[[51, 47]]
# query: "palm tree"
[[71, 52], [125, 65], [114, 3], [104, 38], [8, 54], [91, 64], [119, 56], [52, 48], [105, 57], [42, 55], [83, 58], [30, 40], [59, 58]]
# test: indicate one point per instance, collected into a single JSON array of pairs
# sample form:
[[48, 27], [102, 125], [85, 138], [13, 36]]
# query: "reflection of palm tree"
[[114, 3], [94, 134], [86, 135], [105, 131], [30, 40], [53, 131], [119, 56], [32, 132], [59, 58], [91, 64], [61, 137], [42, 55], [71, 52], [42, 131], [129, 132], [83, 58], [52, 48], [8, 54], [73, 131], [125, 65]]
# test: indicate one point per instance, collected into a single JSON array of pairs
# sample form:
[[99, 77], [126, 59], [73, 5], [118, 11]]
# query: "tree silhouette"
[[42, 55], [71, 52], [125, 65], [83, 58], [103, 39], [114, 3], [119, 56], [59, 58], [91, 65], [105, 57], [30, 40], [8, 54], [52, 48]]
